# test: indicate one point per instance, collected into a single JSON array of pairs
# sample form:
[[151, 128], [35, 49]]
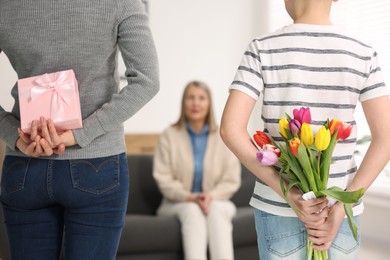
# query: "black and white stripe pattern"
[[312, 66]]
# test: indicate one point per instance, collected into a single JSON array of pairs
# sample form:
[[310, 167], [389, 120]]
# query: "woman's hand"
[[204, 200], [192, 198], [53, 138], [44, 140], [37, 147]]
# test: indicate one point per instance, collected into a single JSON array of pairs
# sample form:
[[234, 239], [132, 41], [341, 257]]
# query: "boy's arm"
[[375, 159], [378, 153]]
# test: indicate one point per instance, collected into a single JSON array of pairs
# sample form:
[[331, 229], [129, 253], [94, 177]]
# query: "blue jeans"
[[83, 201], [285, 238]]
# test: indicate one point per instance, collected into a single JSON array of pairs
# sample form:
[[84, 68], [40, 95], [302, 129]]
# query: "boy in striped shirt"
[[310, 63]]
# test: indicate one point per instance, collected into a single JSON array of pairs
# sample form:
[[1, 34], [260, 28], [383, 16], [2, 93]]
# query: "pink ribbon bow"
[[62, 91]]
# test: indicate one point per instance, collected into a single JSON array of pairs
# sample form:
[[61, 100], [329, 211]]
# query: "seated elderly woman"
[[197, 175]]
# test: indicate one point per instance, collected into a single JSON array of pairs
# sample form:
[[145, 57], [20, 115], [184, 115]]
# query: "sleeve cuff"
[[91, 130], [9, 129]]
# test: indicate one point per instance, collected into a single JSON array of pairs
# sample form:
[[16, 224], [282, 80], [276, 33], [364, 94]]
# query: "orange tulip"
[[294, 144]]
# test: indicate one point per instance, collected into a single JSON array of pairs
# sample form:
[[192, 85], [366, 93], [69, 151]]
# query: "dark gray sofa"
[[150, 237]]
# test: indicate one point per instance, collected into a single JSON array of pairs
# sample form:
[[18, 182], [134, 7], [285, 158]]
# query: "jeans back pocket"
[[344, 242], [14, 174], [97, 175], [284, 236]]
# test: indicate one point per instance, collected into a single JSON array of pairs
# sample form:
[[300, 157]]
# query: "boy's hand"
[[323, 235], [313, 212]]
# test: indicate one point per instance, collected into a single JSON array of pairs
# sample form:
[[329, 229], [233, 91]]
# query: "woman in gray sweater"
[[73, 184]]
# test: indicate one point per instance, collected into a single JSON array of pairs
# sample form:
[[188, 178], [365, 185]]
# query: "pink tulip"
[[266, 157], [302, 115]]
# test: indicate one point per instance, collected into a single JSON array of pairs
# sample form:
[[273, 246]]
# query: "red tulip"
[[344, 129], [261, 139]]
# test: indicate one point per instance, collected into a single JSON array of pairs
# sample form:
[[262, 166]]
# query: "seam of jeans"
[[49, 179]]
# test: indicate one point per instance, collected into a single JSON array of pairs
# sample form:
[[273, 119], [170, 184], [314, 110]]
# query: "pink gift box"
[[54, 96]]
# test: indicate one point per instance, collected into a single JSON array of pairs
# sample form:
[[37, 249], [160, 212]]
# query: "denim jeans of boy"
[[83, 201], [285, 238]]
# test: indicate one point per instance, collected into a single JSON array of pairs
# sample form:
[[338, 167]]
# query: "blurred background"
[[205, 40]]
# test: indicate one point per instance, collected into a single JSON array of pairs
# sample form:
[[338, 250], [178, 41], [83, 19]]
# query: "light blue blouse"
[[199, 143]]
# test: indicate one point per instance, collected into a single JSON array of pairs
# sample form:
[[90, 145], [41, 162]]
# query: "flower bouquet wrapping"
[[305, 160]]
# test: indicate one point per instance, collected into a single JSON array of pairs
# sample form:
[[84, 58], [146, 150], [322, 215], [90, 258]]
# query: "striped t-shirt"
[[309, 66]]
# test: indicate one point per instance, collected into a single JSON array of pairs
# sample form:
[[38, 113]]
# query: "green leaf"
[[282, 186], [313, 159], [304, 161], [340, 195], [295, 167], [288, 117], [289, 134], [291, 176], [289, 187], [351, 221], [326, 159], [285, 191]]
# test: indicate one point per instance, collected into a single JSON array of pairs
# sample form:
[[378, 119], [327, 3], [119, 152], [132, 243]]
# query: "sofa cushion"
[[144, 196], [143, 233], [243, 195], [244, 231]]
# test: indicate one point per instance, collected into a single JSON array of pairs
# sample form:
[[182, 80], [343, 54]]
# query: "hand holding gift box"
[[53, 96]]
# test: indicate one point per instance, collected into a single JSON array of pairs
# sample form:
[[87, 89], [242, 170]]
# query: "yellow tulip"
[[283, 125], [322, 139], [307, 134]]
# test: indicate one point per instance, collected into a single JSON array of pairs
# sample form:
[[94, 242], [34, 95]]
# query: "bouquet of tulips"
[[305, 159]]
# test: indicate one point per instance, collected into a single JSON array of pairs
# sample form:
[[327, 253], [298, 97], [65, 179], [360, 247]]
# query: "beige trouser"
[[197, 228]]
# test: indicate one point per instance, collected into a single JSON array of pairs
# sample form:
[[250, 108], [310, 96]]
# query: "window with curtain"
[[368, 20]]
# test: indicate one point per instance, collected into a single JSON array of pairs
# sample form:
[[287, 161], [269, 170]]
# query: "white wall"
[[7, 80], [202, 39]]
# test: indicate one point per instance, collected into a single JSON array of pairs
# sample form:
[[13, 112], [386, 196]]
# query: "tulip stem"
[[319, 171]]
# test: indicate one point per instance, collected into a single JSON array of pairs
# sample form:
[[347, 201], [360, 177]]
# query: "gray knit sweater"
[[46, 36]]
